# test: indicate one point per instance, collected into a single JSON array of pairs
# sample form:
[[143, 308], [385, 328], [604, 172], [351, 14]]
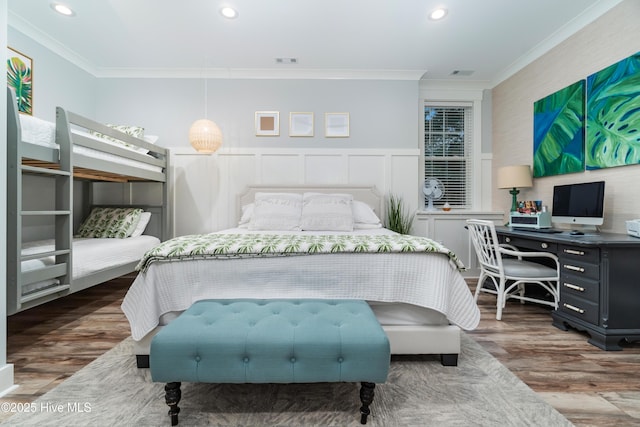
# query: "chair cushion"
[[517, 268]]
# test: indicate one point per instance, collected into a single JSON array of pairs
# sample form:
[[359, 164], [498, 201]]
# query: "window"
[[448, 152]]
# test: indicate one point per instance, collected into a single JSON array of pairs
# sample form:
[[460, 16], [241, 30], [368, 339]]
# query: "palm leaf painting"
[[613, 115], [558, 127], [19, 73]]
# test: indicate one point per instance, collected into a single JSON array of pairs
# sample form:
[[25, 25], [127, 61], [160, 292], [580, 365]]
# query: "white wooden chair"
[[507, 270]]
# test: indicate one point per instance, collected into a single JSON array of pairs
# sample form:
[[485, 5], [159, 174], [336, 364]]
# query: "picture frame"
[[300, 124], [336, 125], [267, 123], [20, 78]]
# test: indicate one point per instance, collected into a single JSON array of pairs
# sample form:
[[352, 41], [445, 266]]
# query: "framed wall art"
[[613, 115], [336, 125], [267, 123], [300, 124], [20, 78], [559, 132]]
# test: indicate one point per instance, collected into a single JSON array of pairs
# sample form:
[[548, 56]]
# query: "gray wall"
[[383, 114], [56, 81]]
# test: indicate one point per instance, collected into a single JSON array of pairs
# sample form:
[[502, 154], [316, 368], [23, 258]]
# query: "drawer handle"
[[574, 287], [544, 245], [573, 252], [574, 308], [573, 268]]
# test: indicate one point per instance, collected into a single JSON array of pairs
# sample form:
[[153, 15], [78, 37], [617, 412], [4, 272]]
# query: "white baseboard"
[[6, 380]]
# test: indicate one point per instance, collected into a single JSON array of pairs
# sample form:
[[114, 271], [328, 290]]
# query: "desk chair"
[[507, 269]]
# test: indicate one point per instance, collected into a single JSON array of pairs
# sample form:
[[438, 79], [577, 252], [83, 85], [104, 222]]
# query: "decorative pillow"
[[110, 222], [276, 211], [135, 131], [145, 217], [362, 213], [327, 212]]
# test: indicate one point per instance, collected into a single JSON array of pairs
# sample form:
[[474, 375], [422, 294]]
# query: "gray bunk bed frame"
[[63, 165]]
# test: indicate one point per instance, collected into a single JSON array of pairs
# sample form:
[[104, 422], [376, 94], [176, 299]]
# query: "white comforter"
[[426, 280]]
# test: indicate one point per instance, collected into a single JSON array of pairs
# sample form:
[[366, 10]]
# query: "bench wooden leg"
[[366, 397], [172, 397]]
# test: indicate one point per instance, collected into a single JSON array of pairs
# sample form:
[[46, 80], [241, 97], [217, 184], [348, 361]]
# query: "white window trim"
[[457, 97]]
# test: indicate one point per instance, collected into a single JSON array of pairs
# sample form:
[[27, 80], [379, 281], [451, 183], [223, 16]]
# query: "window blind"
[[448, 151]]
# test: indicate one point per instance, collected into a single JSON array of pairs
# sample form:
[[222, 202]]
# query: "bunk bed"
[[71, 149]]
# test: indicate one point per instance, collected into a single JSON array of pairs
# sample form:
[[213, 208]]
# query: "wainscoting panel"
[[205, 188]]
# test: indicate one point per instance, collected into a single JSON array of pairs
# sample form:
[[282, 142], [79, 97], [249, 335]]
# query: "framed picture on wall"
[[300, 124], [267, 123], [20, 78], [336, 125]]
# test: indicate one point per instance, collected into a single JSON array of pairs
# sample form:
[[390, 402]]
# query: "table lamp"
[[514, 177]]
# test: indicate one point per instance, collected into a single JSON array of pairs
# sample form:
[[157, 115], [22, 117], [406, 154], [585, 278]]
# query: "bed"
[[421, 299], [74, 150]]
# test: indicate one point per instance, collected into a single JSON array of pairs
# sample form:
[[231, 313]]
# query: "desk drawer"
[[579, 308], [579, 269], [579, 253], [579, 286], [532, 245]]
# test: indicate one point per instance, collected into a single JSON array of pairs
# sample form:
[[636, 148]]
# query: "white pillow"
[[151, 139], [363, 226], [247, 213], [145, 217], [276, 211], [327, 212], [362, 213]]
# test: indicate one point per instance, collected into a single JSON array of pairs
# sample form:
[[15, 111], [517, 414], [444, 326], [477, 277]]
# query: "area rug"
[[419, 391]]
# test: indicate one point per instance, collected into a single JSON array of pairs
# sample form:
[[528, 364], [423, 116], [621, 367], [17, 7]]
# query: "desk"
[[599, 282]]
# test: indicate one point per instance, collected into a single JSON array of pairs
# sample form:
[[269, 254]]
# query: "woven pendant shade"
[[205, 136]]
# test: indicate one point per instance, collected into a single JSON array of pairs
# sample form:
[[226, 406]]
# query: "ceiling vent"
[[462, 72], [286, 60]]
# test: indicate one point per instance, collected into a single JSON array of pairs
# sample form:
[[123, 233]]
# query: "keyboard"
[[538, 230]]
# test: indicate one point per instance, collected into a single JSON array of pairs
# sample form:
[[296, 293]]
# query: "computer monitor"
[[578, 204]]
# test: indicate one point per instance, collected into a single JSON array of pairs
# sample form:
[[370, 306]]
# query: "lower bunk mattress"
[[90, 256]]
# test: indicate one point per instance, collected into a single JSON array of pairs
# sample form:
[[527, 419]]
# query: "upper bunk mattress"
[[43, 133]]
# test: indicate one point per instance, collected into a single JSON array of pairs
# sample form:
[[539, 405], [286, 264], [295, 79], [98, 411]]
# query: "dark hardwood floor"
[[589, 386]]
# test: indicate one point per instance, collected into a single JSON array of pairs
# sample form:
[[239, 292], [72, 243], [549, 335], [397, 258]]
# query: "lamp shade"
[[205, 136], [515, 177]]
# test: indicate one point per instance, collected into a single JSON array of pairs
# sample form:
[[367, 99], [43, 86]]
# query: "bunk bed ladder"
[[60, 273]]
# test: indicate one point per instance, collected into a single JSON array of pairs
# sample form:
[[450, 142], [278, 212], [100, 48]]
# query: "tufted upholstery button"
[[340, 359], [293, 360], [197, 358], [245, 360]]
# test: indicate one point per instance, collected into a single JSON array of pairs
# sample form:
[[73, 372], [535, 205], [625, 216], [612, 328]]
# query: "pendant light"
[[204, 135]]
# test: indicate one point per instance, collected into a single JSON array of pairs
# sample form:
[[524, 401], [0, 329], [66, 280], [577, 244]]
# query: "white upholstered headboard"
[[368, 195]]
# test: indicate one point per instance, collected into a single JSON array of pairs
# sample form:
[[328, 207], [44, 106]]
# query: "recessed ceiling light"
[[438, 14], [62, 9], [229, 12]]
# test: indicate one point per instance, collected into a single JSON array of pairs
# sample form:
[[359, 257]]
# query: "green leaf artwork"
[[613, 115], [558, 127], [19, 73]]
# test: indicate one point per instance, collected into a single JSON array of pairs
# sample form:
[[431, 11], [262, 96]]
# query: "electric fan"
[[433, 190]]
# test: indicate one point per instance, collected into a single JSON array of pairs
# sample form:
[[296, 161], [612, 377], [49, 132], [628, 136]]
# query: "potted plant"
[[399, 219]]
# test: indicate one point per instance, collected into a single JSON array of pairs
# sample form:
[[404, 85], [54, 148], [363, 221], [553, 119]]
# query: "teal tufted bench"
[[271, 341]]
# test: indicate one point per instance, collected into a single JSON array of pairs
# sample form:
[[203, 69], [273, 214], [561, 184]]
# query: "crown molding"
[[260, 73], [585, 18], [73, 57], [50, 43]]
